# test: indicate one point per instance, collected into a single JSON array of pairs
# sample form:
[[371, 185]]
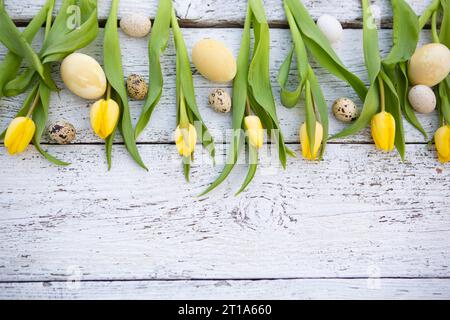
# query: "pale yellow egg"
[[214, 61], [429, 65], [84, 76]]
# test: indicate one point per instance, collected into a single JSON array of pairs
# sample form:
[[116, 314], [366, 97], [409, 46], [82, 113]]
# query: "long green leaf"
[[114, 73], [157, 45]]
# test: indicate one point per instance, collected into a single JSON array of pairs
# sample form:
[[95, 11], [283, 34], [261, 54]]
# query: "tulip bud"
[[304, 140], [383, 131], [442, 141], [185, 139], [104, 117], [19, 135], [255, 131]]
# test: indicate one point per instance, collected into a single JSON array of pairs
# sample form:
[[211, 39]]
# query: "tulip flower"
[[104, 117], [19, 135], [383, 131], [255, 131], [442, 141], [304, 140], [185, 140]]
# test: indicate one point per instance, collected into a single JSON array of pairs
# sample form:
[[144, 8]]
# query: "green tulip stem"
[[382, 102], [33, 106], [434, 28], [108, 92], [248, 109], [184, 119]]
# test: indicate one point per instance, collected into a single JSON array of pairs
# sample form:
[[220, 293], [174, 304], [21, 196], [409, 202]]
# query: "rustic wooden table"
[[360, 224]]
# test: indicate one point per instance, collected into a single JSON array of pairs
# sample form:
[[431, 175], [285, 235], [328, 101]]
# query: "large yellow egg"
[[214, 61], [429, 65], [84, 76]]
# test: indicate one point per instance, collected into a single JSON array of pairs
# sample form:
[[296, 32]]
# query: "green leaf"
[[11, 37], [114, 73], [444, 98], [40, 116], [393, 107], [426, 15], [321, 49], [253, 166], [370, 108], [11, 63], [370, 41], [405, 33], [444, 35], [310, 117], [157, 45], [402, 91]]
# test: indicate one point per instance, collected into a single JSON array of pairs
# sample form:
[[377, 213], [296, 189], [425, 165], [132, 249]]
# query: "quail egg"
[[220, 101], [137, 87], [62, 132], [422, 99], [136, 25], [345, 110]]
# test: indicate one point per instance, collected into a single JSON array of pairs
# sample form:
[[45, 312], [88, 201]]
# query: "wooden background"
[[360, 224]]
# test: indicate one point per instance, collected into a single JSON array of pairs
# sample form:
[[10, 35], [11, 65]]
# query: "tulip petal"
[[383, 131], [304, 141], [442, 141], [19, 135]]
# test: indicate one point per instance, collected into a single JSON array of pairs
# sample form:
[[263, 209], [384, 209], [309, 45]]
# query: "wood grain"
[[230, 12], [160, 130], [356, 213], [232, 289]]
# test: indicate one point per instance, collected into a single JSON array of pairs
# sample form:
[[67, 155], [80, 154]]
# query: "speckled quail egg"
[[220, 101], [62, 132], [137, 87], [345, 110], [136, 25], [330, 27], [422, 99]]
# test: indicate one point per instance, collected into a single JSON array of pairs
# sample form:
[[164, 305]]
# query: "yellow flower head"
[[19, 135], [383, 131], [304, 140], [442, 141], [104, 117], [185, 139], [255, 131]]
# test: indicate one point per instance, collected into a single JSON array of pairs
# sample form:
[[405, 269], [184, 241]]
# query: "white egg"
[[422, 99], [136, 25], [330, 27]]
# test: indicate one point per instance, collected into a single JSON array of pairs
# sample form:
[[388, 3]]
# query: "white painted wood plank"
[[359, 213], [232, 289], [217, 12], [65, 105]]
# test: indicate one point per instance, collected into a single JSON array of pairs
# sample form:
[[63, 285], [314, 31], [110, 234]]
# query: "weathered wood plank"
[[359, 213], [230, 12], [65, 105], [233, 290]]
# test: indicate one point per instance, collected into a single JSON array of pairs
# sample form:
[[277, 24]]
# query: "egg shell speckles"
[[62, 132], [136, 25], [137, 87], [345, 110], [220, 100]]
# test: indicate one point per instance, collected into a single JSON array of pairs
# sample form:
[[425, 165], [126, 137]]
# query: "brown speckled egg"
[[345, 110], [220, 100], [137, 87], [62, 132]]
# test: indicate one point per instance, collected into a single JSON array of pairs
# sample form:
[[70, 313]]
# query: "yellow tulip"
[[19, 135], [304, 140], [255, 131], [185, 139], [104, 117], [442, 141], [383, 131]]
